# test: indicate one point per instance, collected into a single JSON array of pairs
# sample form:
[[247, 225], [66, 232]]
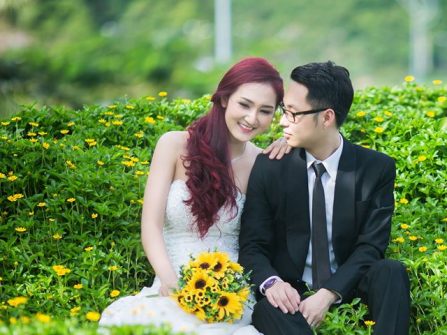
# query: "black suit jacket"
[[275, 227]]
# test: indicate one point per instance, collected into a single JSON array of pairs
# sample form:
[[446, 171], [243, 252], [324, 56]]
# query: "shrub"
[[71, 188]]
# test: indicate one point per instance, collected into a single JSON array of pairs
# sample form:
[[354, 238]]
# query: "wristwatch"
[[269, 283]]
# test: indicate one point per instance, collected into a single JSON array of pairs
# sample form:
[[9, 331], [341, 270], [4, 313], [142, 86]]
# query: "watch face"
[[270, 282]]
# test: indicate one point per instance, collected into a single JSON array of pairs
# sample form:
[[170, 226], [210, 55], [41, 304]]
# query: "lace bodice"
[[182, 240]]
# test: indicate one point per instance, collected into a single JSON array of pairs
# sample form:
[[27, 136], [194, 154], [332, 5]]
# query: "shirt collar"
[[330, 163]]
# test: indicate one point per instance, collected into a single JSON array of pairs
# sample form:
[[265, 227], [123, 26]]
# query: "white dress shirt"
[[328, 180]]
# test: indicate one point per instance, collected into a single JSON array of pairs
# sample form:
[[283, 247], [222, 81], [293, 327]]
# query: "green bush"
[[71, 188]]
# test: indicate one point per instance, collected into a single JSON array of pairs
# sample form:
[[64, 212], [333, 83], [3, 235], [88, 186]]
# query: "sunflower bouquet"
[[213, 287]]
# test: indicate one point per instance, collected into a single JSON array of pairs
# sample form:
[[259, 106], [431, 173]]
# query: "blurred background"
[[76, 52]]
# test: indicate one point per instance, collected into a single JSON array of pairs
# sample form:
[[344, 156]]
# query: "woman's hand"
[[277, 149], [167, 288]]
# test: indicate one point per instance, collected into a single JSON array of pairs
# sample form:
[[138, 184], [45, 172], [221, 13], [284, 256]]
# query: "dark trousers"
[[385, 289]]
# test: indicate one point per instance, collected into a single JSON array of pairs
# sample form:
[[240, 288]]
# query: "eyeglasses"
[[291, 116]]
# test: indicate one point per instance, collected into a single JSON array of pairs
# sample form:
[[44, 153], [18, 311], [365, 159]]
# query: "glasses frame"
[[285, 112]]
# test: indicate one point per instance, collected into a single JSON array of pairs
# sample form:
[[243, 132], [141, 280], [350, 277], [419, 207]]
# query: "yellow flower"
[[45, 145], [140, 201], [102, 121], [12, 178], [70, 124], [437, 82], [149, 119], [42, 133], [409, 79], [159, 117], [387, 113], [442, 247], [16, 118], [130, 107], [221, 264], [422, 158], [93, 316], [71, 200], [228, 304], [2, 175], [139, 173], [20, 229], [404, 226], [430, 114], [360, 114], [31, 134], [61, 270], [31, 213], [15, 197], [5, 123], [150, 98], [117, 122], [57, 236], [162, 94], [140, 134], [113, 268], [17, 301], [413, 238], [203, 261], [94, 215], [442, 99], [378, 119], [78, 286], [199, 281], [25, 319], [403, 201], [41, 204], [64, 131], [444, 220], [32, 140], [144, 163], [399, 240], [379, 130], [33, 124], [422, 249], [75, 310], [128, 163], [12, 320], [75, 147], [114, 293], [134, 159], [44, 318], [88, 249], [369, 323], [439, 241], [111, 106]]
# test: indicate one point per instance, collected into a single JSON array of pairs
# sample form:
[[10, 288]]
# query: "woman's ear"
[[224, 102]]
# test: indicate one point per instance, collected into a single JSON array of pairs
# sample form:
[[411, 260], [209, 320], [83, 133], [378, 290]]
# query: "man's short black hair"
[[329, 86]]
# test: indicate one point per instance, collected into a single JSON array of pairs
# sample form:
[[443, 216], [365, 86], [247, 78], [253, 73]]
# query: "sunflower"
[[236, 267], [182, 300], [199, 281], [244, 293], [228, 305], [221, 264], [204, 261]]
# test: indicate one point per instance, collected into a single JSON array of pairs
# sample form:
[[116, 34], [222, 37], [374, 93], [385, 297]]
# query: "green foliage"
[[99, 157]]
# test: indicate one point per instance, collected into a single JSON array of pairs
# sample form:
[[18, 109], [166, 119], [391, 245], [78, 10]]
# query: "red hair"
[[207, 162]]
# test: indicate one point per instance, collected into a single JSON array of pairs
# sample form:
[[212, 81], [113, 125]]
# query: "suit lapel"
[[297, 208], [344, 197]]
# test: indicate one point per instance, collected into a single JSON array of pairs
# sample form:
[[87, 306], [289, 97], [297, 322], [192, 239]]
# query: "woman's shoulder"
[[173, 139]]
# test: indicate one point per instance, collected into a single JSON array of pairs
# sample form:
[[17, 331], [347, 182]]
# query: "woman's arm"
[[161, 174]]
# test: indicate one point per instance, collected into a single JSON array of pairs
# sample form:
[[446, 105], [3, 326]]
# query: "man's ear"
[[329, 117]]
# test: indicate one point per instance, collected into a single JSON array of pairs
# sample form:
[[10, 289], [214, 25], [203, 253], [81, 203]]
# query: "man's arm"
[[374, 234]]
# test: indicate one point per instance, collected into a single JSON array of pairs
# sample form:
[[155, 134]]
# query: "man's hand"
[[283, 296], [315, 307], [277, 149]]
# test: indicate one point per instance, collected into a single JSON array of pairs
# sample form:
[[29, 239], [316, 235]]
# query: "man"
[[319, 220]]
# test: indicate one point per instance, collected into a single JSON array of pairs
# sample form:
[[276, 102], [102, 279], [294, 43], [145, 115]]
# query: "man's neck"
[[326, 147]]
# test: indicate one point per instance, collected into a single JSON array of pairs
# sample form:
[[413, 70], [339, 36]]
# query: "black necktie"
[[321, 270]]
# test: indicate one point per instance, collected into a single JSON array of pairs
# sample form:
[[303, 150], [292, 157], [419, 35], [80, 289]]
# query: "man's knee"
[[262, 308], [389, 267]]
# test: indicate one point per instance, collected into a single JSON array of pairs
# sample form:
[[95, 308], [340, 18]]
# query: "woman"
[[195, 193]]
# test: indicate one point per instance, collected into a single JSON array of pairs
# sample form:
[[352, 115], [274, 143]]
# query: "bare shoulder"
[[176, 140]]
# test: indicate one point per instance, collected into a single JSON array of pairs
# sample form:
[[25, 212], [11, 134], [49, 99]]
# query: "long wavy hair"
[[207, 162]]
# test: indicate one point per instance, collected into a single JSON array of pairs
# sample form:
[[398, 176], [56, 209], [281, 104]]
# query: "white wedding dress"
[[181, 242]]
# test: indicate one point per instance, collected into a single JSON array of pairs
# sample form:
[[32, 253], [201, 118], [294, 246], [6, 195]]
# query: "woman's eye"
[[266, 111], [244, 105]]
